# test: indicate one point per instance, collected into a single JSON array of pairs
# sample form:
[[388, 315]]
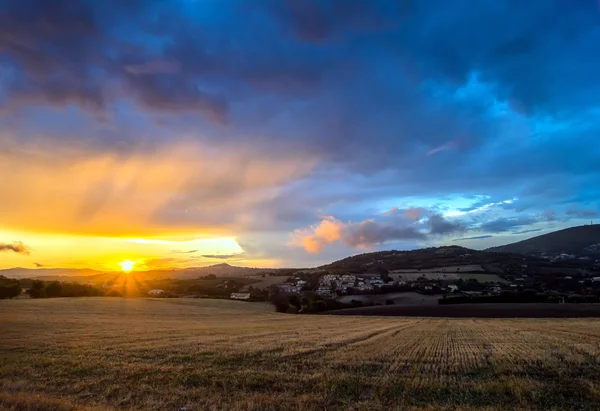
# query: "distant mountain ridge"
[[425, 258], [20, 272], [578, 241], [219, 270]]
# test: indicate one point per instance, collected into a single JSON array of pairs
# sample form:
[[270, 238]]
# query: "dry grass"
[[69, 354]]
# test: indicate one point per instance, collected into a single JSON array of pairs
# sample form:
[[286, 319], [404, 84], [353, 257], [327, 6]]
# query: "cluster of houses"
[[453, 291], [566, 256], [331, 283], [293, 286]]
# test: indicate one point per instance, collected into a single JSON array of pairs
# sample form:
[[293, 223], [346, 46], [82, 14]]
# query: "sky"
[[291, 133]]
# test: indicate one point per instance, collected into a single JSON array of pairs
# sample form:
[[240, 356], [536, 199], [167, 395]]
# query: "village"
[[447, 284]]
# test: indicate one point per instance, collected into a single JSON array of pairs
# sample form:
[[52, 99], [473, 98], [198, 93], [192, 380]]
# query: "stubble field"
[[165, 354]]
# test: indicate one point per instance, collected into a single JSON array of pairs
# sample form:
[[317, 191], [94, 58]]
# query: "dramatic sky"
[[291, 132]]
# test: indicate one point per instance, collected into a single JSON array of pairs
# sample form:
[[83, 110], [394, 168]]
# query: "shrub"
[[281, 302], [53, 289], [590, 298], [389, 302], [320, 306], [9, 291], [37, 289], [295, 301]]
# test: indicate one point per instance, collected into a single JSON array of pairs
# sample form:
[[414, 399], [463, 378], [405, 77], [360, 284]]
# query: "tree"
[[295, 301], [53, 289], [113, 293], [37, 289], [10, 289], [383, 272], [280, 301], [320, 306]]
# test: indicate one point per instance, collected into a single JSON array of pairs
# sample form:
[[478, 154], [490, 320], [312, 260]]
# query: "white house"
[[323, 291], [289, 288], [240, 296], [155, 292]]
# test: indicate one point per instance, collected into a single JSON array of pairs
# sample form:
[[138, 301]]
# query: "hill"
[[75, 274], [219, 270], [579, 241], [427, 258], [20, 272]]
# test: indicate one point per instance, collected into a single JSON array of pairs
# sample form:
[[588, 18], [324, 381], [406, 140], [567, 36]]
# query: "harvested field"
[[141, 354]]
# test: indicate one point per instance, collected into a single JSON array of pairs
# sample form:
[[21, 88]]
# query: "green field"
[[142, 354], [264, 282], [483, 278]]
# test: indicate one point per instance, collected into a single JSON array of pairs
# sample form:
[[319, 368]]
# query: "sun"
[[127, 265]]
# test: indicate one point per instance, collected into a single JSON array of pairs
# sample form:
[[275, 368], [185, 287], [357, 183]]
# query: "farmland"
[[443, 276], [105, 353], [261, 282]]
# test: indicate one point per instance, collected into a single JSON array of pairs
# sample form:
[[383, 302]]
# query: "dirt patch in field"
[[478, 310], [398, 298]]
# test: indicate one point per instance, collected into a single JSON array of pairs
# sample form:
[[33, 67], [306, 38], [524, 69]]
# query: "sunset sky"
[[279, 133]]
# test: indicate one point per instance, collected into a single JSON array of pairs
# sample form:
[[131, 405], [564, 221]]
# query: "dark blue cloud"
[[532, 230], [389, 102], [575, 212], [439, 225], [504, 224], [478, 237]]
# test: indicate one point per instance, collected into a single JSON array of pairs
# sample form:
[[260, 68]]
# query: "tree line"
[[9, 288], [312, 303], [55, 289]]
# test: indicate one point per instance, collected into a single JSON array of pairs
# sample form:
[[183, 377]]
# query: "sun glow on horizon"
[[127, 265]]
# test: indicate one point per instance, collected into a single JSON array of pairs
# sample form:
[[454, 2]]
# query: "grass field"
[[105, 353]]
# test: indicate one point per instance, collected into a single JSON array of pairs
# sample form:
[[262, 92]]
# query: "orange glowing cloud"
[[314, 239], [181, 188]]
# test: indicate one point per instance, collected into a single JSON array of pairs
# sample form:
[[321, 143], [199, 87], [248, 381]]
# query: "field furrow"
[[104, 354]]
